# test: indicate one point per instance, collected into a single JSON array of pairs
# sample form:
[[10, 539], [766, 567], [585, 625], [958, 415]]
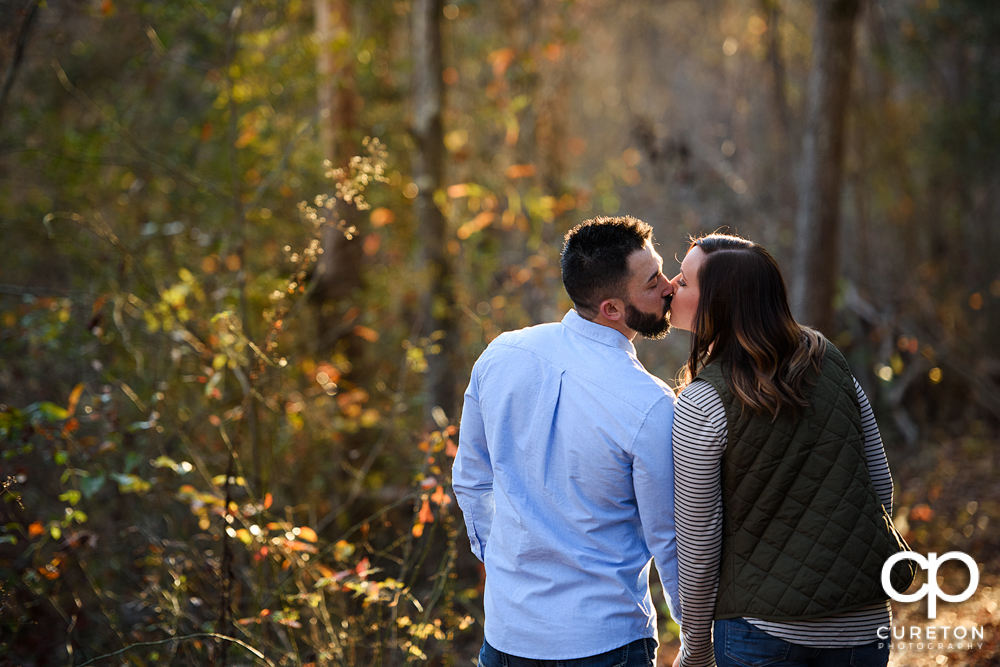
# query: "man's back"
[[564, 473]]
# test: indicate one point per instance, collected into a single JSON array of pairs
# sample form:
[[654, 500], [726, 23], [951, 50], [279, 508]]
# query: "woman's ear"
[[612, 309]]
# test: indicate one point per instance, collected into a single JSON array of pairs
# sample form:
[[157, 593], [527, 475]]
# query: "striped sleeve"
[[699, 438], [878, 467]]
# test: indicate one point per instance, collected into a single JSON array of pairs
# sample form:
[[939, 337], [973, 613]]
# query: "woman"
[[783, 496]]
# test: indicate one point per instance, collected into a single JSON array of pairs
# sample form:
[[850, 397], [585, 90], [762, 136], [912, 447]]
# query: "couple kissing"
[[761, 491]]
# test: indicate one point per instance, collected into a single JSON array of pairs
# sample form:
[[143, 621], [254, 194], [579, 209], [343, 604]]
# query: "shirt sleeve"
[[472, 473], [700, 435], [878, 467], [652, 479]]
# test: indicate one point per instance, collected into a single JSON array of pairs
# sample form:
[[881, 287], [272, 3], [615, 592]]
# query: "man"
[[564, 468]]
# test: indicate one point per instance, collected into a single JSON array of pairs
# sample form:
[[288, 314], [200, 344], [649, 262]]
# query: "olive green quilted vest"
[[804, 532]]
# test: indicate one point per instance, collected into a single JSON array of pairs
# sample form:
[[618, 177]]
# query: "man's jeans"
[[739, 644], [640, 653]]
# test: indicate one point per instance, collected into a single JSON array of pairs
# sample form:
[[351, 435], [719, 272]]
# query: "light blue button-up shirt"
[[565, 475]]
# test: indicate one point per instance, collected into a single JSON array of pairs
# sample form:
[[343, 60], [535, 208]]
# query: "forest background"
[[249, 252]]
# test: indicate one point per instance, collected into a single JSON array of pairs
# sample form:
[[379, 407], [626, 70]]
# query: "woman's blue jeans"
[[740, 644], [640, 653]]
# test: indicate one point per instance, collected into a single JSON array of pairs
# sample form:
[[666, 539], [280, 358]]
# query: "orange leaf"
[[249, 134], [363, 567], [381, 217], [295, 545], [515, 171], [74, 398], [500, 59], [268, 499], [35, 529], [450, 449], [922, 512], [458, 190], [425, 515], [478, 223], [418, 529], [98, 304], [369, 335], [70, 426], [440, 497], [308, 534]]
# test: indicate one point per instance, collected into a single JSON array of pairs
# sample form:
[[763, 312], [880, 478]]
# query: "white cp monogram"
[[931, 564]]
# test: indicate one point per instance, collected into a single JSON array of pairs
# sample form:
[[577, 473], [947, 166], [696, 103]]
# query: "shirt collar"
[[599, 332]]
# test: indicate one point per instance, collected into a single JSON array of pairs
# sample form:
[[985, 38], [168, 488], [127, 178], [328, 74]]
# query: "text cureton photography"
[[932, 637]]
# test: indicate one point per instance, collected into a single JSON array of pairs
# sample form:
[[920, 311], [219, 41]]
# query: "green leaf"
[[131, 483], [52, 412], [91, 485], [132, 460], [72, 497]]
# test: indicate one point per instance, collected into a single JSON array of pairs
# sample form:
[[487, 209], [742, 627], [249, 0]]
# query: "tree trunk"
[[821, 168], [339, 269], [783, 150], [14, 42], [439, 322]]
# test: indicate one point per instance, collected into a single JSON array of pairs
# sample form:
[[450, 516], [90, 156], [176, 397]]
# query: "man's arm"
[[653, 481], [472, 474]]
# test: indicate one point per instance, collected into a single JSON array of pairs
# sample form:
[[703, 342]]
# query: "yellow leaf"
[[343, 550], [308, 534]]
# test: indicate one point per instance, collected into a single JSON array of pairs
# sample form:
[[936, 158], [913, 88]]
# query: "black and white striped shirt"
[[700, 435]]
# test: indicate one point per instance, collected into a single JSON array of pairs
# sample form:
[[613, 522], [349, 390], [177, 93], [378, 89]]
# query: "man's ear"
[[612, 309]]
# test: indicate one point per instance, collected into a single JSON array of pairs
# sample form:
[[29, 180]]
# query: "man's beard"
[[648, 325]]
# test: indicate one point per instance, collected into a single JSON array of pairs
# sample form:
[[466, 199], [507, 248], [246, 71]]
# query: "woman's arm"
[[878, 467], [699, 439]]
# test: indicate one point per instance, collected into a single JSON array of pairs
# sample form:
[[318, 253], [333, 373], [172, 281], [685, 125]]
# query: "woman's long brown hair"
[[744, 322]]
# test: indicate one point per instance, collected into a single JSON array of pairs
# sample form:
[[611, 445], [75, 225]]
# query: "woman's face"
[[685, 284]]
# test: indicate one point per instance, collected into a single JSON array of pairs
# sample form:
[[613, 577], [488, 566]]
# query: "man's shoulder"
[[612, 369], [539, 336], [538, 332]]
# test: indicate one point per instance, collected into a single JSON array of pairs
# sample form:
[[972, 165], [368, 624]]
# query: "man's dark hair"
[[595, 259]]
